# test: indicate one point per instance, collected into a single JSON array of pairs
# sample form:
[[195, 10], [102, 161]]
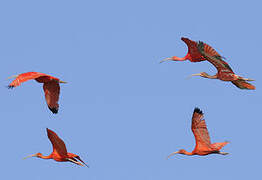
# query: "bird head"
[[202, 74], [33, 155], [181, 151]]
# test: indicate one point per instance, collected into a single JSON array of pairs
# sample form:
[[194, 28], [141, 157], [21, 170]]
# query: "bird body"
[[59, 153], [193, 54], [203, 144], [224, 71], [50, 85]]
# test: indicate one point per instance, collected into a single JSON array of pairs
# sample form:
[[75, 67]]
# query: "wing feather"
[[52, 90], [193, 51], [199, 130], [25, 77], [57, 143], [213, 57]]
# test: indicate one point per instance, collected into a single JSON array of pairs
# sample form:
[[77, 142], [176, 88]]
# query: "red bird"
[[203, 144], [59, 153], [193, 54], [224, 72], [51, 87]]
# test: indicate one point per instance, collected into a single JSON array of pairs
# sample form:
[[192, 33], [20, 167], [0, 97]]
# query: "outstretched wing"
[[52, 90], [193, 51], [242, 84], [213, 57], [200, 131], [57, 143], [25, 77]]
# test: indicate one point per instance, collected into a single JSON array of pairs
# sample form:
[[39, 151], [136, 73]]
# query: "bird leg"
[[62, 82], [81, 161], [247, 79], [223, 153], [73, 161]]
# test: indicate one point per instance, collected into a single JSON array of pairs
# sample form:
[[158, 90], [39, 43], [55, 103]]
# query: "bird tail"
[[242, 84], [218, 146]]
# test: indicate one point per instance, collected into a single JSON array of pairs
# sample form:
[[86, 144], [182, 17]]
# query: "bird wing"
[[242, 84], [200, 131], [218, 146], [57, 143], [213, 57], [25, 77], [52, 90], [193, 51]]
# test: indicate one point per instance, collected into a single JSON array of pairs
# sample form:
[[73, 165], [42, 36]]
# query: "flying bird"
[[203, 144], [224, 72], [50, 85], [193, 54], [59, 153]]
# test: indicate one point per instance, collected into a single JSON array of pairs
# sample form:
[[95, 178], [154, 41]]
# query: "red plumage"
[[203, 144], [50, 85]]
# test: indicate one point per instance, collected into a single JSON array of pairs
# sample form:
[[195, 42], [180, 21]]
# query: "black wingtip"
[[200, 46], [197, 110], [54, 110]]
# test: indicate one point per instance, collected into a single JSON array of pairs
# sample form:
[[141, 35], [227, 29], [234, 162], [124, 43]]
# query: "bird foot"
[[10, 87]]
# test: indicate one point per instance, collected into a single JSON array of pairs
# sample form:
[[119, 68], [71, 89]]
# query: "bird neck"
[[45, 157], [187, 153], [175, 58], [209, 76]]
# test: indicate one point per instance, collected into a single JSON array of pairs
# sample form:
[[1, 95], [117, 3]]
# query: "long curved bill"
[[33, 155], [166, 59], [172, 154], [198, 74]]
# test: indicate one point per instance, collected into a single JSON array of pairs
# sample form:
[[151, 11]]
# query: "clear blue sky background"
[[122, 111]]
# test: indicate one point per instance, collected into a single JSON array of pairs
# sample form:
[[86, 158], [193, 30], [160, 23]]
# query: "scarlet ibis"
[[59, 153], [224, 72], [203, 144], [50, 85], [193, 54]]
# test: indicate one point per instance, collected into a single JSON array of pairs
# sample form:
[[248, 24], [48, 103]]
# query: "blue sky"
[[122, 111]]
